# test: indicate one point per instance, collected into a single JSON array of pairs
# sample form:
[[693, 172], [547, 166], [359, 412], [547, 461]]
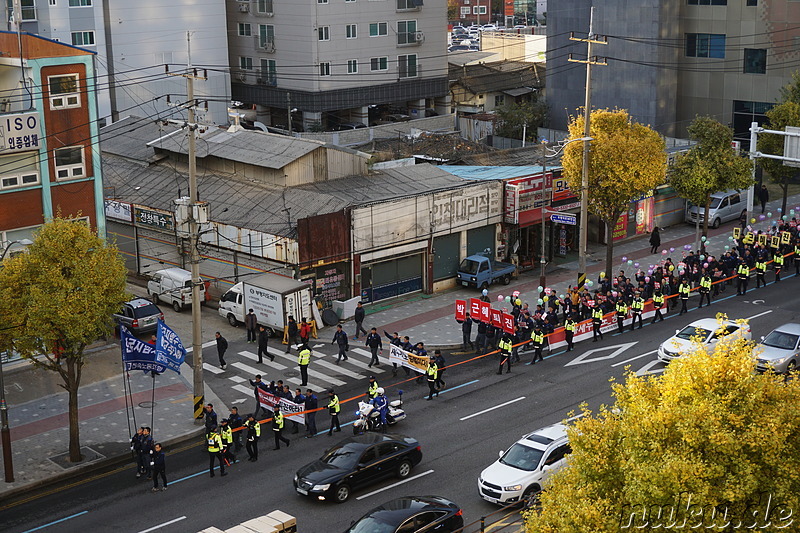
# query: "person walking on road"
[[763, 197], [340, 338], [214, 444], [253, 428], [277, 427], [263, 345], [258, 384], [761, 269], [311, 404], [569, 332], [305, 331], [777, 264], [622, 313], [705, 288], [431, 374], [333, 410], [147, 450], [440, 367], [226, 436], [358, 317], [637, 307], [375, 346], [742, 277], [222, 346], [251, 324], [303, 358], [159, 465], [235, 422], [655, 240], [506, 346], [537, 343], [210, 418], [658, 304], [291, 333], [683, 290], [597, 322], [136, 448]]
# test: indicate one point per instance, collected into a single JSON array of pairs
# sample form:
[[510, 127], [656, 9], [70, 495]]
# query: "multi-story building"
[[133, 42], [669, 61], [326, 62], [49, 163]]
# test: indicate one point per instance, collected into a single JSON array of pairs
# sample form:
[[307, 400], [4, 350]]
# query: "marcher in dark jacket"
[[291, 333], [251, 324], [311, 403], [222, 345], [763, 196], [655, 240], [159, 466], [263, 343], [340, 338], [466, 332], [358, 317]]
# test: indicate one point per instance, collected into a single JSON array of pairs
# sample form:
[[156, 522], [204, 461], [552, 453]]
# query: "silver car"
[[779, 350]]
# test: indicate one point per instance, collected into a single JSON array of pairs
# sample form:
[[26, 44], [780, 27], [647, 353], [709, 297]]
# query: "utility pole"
[[587, 108], [289, 111], [195, 217]]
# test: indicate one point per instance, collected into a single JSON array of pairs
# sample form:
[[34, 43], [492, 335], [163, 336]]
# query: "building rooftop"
[[494, 172], [498, 76]]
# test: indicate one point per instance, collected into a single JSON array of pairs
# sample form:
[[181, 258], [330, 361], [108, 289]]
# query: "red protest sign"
[[461, 310], [508, 323], [486, 312], [497, 318], [475, 308]]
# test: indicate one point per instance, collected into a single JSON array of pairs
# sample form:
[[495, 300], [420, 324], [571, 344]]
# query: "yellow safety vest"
[[537, 339], [333, 405], [743, 271], [684, 290], [597, 314], [505, 346], [226, 434], [778, 260], [658, 300], [433, 369], [797, 252], [255, 425], [761, 267], [214, 443], [622, 309], [637, 304], [277, 421], [373, 389], [705, 282], [569, 325], [304, 357]]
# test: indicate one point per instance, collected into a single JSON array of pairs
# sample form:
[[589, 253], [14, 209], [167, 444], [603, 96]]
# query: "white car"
[[521, 471], [707, 330]]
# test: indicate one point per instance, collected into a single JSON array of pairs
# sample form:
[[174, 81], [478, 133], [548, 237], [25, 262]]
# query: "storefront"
[[638, 219]]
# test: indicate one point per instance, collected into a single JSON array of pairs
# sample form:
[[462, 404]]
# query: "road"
[[461, 432]]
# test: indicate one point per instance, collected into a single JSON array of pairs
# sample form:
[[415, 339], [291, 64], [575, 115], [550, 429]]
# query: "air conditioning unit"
[[268, 47], [244, 8], [419, 37], [269, 14], [242, 76], [261, 81]]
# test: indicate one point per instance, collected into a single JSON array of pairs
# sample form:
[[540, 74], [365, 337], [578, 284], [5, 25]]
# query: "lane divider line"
[[57, 521], [457, 386], [492, 408], [758, 315], [635, 358], [159, 526], [393, 485]]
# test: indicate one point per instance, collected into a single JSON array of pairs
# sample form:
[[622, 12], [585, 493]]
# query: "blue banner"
[[169, 348], [138, 355]]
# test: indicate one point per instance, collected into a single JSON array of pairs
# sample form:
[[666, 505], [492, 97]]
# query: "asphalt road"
[[456, 446]]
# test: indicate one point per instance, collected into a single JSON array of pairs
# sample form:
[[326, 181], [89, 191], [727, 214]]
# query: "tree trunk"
[[72, 382], [610, 247], [785, 189]]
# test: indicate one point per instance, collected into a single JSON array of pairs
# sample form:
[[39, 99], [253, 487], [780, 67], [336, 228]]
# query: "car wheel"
[[176, 305], [792, 366], [716, 223], [404, 470], [232, 321], [342, 493], [530, 498], [154, 297], [506, 279]]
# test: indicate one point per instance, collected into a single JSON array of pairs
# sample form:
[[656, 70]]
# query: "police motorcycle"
[[368, 417]]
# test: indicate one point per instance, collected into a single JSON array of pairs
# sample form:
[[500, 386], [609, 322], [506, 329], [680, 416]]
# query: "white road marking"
[[190, 349], [159, 526], [617, 349], [317, 346], [635, 358], [393, 485], [249, 369], [237, 379], [492, 408], [243, 389], [212, 369], [361, 364], [648, 368], [758, 315], [336, 368], [254, 357]]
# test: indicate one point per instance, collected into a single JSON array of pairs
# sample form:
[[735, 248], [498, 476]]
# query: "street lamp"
[[5, 431]]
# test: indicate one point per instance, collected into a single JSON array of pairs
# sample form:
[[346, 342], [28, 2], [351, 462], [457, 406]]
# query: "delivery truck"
[[272, 297]]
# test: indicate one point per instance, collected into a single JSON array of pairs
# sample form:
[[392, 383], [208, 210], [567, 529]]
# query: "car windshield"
[[145, 310], [715, 202], [689, 332], [341, 457], [469, 266], [778, 339], [372, 524], [522, 457]]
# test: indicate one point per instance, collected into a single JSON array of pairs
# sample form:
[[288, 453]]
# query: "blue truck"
[[480, 271]]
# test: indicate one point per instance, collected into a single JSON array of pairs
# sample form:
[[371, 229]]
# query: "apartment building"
[[49, 163], [328, 62], [671, 60]]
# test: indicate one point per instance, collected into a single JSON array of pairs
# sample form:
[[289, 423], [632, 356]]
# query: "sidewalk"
[[430, 318]]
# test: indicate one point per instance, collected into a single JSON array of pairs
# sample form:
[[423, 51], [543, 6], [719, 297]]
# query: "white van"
[[173, 286], [724, 207]]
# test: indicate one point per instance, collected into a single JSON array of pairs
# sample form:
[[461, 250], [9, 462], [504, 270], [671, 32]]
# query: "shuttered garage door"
[[393, 278], [479, 239], [446, 255]]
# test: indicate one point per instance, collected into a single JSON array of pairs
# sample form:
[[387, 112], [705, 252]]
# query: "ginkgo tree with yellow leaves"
[[58, 298], [709, 442], [626, 160]]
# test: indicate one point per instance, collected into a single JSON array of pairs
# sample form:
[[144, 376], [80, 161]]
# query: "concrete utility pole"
[[587, 108], [790, 157]]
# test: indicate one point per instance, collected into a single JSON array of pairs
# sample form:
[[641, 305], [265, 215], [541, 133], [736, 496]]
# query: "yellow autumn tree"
[[710, 441], [626, 160], [56, 299]]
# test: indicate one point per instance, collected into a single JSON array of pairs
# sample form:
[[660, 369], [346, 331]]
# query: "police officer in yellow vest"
[[797, 258], [777, 264], [622, 312], [303, 358], [432, 373], [226, 435], [214, 443], [637, 306], [333, 410], [253, 429], [372, 390], [683, 291], [761, 269], [506, 346], [742, 277], [569, 332], [597, 322], [537, 343], [277, 427], [658, 304], [705, 288]]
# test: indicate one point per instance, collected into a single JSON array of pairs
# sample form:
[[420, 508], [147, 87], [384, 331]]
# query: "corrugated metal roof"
[[494, 173], [129, 137]]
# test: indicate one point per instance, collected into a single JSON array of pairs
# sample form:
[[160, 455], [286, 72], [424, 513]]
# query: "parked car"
[[139, 316], [481, 270], [398, 117], [724, 207], [707, 330], [458, 48], [519, 475], [779, 351], [357, 462], [350, 126], [174, 287], [411, 514]]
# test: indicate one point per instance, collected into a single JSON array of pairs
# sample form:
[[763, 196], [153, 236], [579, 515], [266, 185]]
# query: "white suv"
[[520, 473]]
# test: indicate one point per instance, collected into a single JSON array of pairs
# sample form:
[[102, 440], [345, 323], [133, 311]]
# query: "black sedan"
[[411, 514], [356, 462]]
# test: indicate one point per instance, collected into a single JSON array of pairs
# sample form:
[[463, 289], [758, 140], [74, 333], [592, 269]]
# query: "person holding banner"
[[431, 374], [253, 428], [466, 332], [258, 384], [277, 427]]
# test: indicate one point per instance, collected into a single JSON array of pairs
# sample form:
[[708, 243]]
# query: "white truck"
[[272, 297]]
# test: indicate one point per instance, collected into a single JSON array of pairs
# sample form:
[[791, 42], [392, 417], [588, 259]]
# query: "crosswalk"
[[323, 371]]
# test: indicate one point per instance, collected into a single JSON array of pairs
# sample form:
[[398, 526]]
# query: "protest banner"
[[288, 408], [407, 359], [138, 355]]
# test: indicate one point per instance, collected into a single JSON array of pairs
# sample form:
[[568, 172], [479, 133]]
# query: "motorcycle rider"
[[381, 404]]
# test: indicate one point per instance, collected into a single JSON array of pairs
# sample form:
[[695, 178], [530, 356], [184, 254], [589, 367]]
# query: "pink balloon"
[[500, 298], [705, 265], [663, 252], [647, 279]]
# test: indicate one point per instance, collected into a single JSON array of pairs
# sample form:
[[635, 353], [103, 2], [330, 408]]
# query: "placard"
[[475, 308], [461, 310], [486, 312], [497, 318], [508, 323]]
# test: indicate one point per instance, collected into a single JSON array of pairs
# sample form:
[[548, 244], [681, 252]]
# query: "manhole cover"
[[147, 405]]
